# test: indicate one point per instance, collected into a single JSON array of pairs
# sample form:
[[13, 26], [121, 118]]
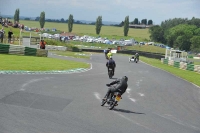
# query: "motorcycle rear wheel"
[[110, 74]]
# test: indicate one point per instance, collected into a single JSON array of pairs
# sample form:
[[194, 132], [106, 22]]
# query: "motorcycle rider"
[[121, 86], [137, 56], [109, 54], [111, 64], [106, 52]]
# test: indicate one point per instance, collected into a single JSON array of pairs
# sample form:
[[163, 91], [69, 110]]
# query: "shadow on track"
[[127, 111], [114, 78]]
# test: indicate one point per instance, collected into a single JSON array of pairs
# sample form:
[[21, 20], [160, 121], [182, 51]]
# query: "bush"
[[190, 56]]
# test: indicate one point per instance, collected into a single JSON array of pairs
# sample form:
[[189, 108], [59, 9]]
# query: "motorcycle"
[[132, 59], [110, 72], [112, 100]]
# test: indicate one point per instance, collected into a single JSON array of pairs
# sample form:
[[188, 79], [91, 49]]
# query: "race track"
[[155, 101]]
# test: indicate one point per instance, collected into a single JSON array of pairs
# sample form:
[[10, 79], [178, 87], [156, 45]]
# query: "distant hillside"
[[83, 21]]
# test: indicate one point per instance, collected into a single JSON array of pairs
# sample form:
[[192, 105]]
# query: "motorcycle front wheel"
[[112, 105], [103, 102]]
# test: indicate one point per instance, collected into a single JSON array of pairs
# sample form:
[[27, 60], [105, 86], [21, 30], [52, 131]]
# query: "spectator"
[[42, 44], [10, 33], [3, 22], [16, 24], [2, 32]]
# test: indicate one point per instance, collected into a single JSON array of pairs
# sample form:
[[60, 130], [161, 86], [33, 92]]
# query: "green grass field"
[[78, 29], [29, 63], [147, 48], [83, 55]]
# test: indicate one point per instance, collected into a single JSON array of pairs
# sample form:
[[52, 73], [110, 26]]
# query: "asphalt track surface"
[[155, 101]]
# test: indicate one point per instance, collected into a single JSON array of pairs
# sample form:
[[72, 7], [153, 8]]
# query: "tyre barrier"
[[171, 63], [190, 67], [21, 50], [176, 64], [197, 68], [165, 61], [182, 65]]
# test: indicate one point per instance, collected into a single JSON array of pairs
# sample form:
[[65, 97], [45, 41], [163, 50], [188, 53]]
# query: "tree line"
[[70, 22], [178, 33]]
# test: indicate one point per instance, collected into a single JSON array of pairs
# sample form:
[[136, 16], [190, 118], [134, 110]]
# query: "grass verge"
[[185, 74], [73, 54], [29, 63], [190, 76]]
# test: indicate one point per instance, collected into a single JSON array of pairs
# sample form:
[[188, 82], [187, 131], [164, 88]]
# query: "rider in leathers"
[[121, 86], [111, 64]]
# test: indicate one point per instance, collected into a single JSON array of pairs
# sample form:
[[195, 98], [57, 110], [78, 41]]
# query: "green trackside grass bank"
[[190, 76], [83, 55], [29, 63], [187, 75]]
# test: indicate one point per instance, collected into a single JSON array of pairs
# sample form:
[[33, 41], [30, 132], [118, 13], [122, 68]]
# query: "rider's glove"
[[108, 85]]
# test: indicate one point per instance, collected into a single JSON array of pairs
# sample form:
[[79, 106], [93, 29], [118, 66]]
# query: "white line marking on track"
[[141, 94], [176, 120], [97, 95], [128, 90], [32, 81], [132, 99], [135, 122]]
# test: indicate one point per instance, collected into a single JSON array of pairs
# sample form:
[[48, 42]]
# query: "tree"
[[27, 19], [16, 16], [194, 21], [37, 19], [70, 23], [62, 20], [98, 24], [135, 21], [144, 21], [195, 43], [126, 25], [150, 22], [156, 33], [180, 36], [121, 24], [42, 19]]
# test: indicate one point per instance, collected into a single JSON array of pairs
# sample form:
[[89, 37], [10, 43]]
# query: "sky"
[[110, 10]]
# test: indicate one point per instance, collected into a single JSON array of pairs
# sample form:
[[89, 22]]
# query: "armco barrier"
[[131, 52], [17, 50], [93, 50]]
